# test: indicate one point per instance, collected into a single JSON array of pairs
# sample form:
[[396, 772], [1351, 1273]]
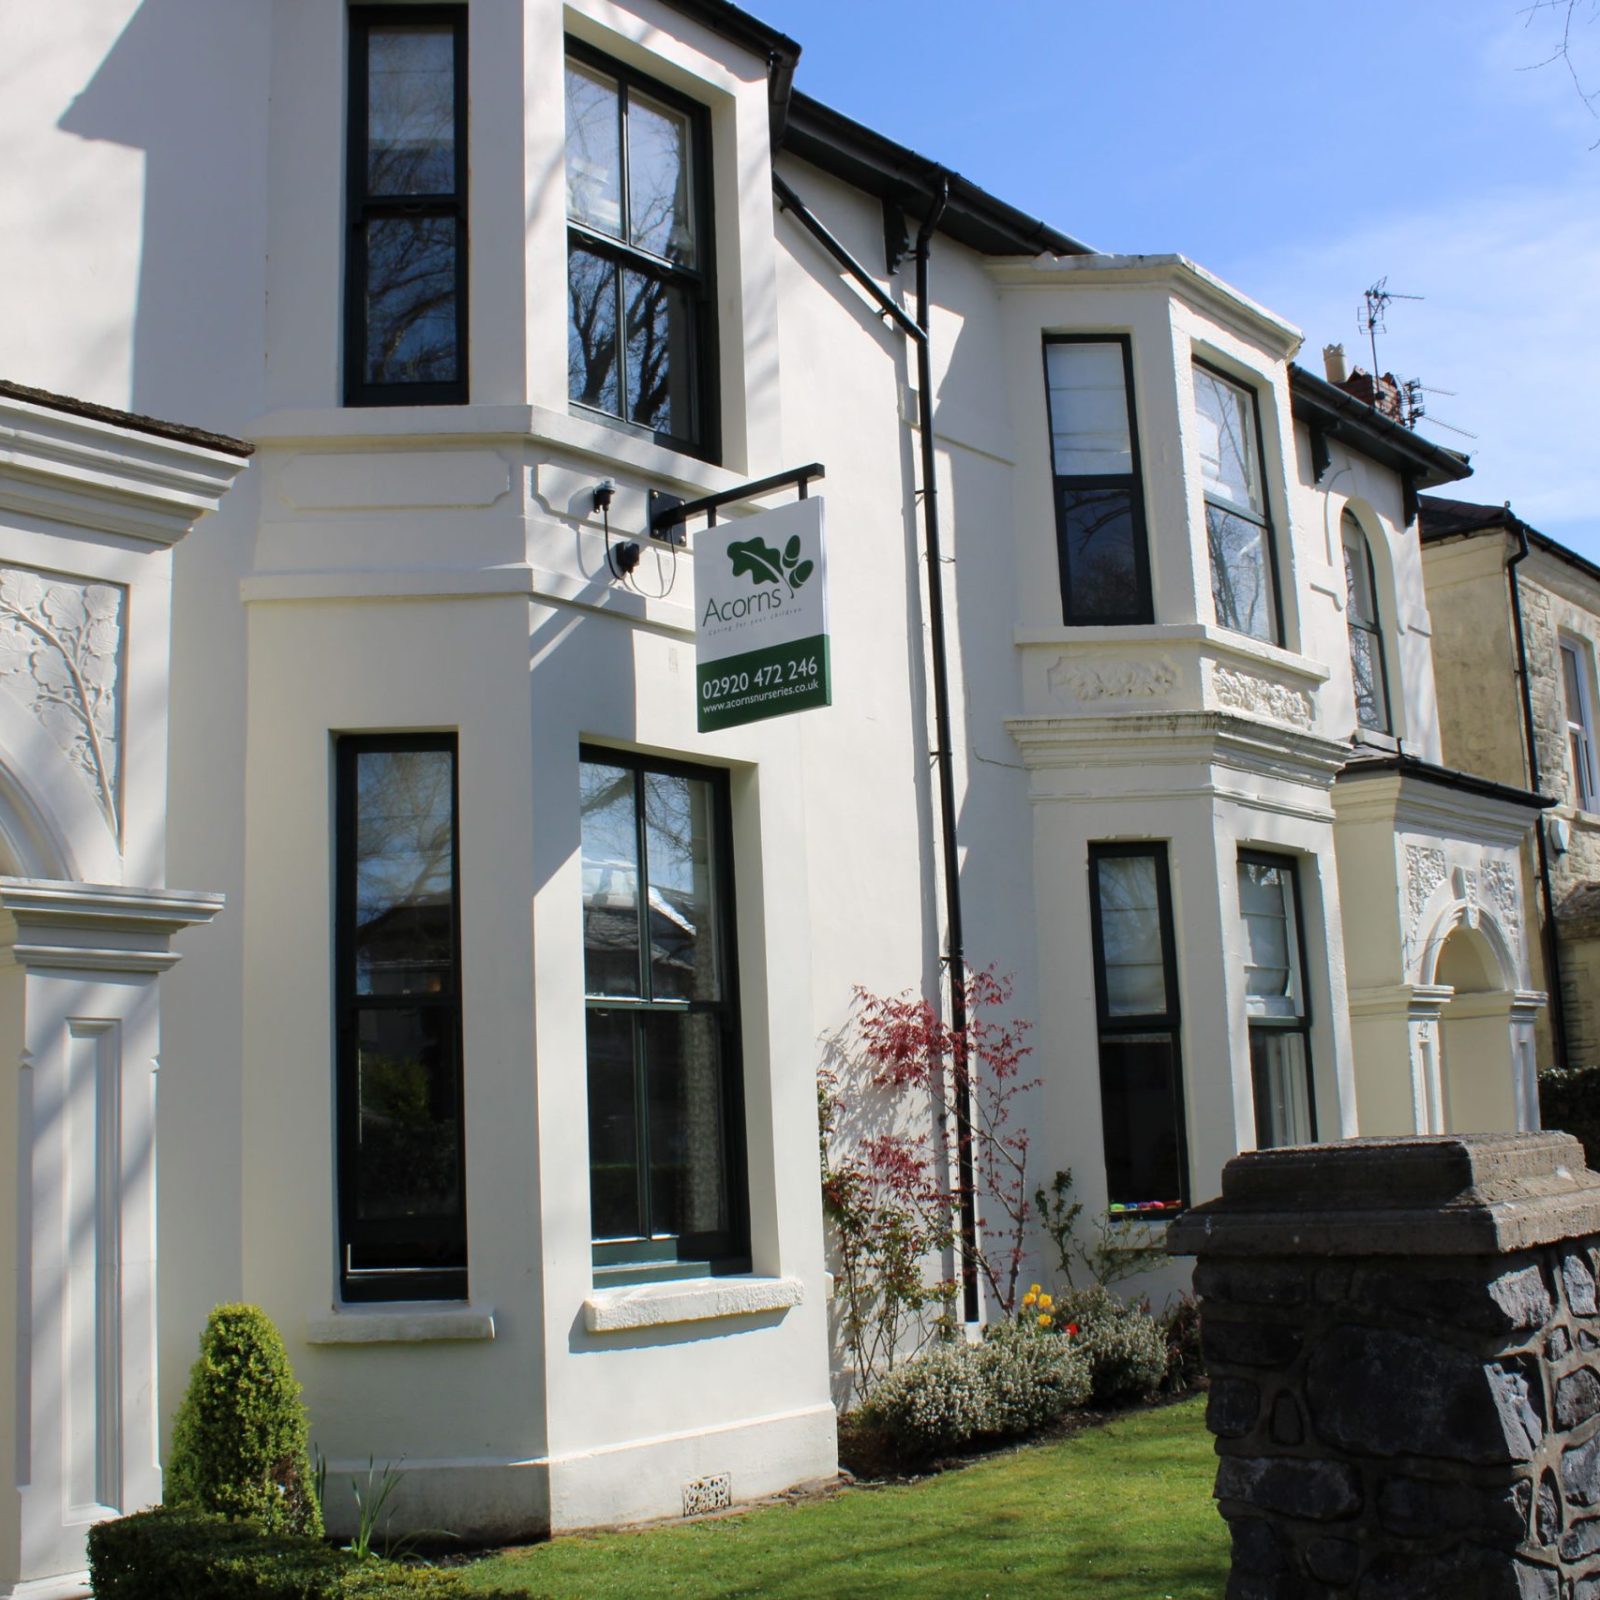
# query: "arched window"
[[1366, 630]]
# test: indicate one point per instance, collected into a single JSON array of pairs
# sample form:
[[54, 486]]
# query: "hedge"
[[1569, 1099], [179, 1554]]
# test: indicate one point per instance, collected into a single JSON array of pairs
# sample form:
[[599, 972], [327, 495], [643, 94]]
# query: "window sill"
[[404, 1322], [654, 1305]]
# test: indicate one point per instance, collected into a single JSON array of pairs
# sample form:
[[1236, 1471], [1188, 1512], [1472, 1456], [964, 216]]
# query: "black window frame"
[[1300, 1024], [1264, 521], [363, 208], [1132, 480], [393, 1281], [1168, 1022], [1373, 630], [651, 1256], [698, 283]]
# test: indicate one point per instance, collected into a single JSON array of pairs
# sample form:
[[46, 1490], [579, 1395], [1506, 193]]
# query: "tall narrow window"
[[406, 264], [402, 1170], [1244, 584], [1136, 984], [1580, 724], [1367, 668], [666, 1182], [1275, 1001], [1100, 530], [639, 322]]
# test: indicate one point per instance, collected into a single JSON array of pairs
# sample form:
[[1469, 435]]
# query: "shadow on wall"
[[187, 83]]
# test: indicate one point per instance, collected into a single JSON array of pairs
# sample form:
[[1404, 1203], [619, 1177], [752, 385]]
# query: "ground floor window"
[[1136, 987], [401, 1162], [1275, 1000], [666, 1167]]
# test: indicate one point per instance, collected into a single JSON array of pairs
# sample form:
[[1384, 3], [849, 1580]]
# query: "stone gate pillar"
[[1404, 1346]]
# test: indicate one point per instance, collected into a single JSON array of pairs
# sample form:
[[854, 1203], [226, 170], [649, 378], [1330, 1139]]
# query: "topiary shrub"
[[239, 1445], [1125, 1349]]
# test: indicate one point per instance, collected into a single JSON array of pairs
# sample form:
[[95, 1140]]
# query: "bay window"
[[1275, 1001], [1136, 992], [406, 261], [1244, 583], [666, 1183], [1099, 503], [640, 330], [397, 990]]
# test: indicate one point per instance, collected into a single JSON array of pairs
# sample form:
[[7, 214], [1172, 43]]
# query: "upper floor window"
[[1244, 583], [666, 1179], [1136, 993], [1367, 668], [1580, 723], [640, 329], [397, 991], [406, 266], [1275, 1001], [1100, 529]]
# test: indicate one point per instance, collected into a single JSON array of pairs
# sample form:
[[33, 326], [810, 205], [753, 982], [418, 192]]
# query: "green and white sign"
[[761, 634]]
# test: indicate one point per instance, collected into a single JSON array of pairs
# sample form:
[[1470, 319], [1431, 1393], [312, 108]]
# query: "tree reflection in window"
[[662, 1047], [637, 289], [1238, 533], [405, 303], [1100, 534]]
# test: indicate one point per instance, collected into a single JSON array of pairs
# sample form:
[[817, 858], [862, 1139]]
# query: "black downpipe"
[[955, 946], [1552, 947], [955, 960]]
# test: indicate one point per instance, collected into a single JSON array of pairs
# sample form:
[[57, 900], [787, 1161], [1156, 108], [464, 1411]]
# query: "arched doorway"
[[1478, 1068]]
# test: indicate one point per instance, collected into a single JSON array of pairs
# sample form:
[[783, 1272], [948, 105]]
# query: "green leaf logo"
[[764, 564], [756, 557]]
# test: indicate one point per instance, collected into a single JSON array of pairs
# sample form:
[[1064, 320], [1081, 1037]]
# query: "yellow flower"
[[1045, 1302], [1029, 1298], [1033, 1289], [1045, 1319]]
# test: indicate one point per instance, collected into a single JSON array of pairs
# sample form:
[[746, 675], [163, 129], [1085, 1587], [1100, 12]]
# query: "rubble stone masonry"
[[1403, 1338]]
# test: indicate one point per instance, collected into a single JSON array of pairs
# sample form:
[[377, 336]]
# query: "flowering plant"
[[894, 1200]]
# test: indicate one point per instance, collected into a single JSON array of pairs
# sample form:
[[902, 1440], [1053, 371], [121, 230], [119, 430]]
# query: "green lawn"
[[1121, 1512]]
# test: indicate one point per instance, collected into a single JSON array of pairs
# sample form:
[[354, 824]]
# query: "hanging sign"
[[761, 630]]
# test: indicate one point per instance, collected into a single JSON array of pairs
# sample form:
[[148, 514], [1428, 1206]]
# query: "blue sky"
[[1300, 152]]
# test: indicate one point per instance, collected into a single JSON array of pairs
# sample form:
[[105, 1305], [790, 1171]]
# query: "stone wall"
[[1404, 1345]]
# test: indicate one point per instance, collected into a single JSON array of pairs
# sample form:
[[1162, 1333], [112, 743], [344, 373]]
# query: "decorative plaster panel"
[[1425, 871], [1499, 894], [1260, 697], [1113, 678], [61, 656]]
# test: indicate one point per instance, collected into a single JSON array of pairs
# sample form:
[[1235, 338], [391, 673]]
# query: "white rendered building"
[[492, 1078]]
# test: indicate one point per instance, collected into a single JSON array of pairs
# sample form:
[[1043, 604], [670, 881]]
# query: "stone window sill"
[[412, 1322], [654, 1305]]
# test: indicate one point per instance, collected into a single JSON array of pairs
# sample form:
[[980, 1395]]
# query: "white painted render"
[[443, 568]]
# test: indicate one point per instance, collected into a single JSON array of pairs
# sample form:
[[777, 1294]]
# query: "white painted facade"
[[442, 569]]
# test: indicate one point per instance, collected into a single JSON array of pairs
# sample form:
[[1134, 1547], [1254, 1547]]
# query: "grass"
[[1120, 1512]]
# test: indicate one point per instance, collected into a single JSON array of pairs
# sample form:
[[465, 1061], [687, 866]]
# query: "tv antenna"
[[1371, 318]]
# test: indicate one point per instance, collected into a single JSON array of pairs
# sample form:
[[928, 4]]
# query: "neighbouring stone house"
[[492, 1077], [1513, 606]]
